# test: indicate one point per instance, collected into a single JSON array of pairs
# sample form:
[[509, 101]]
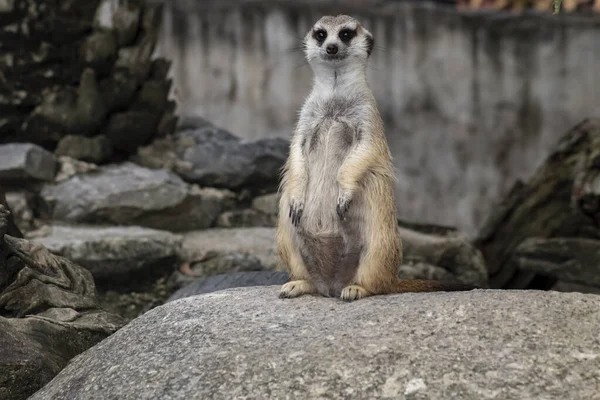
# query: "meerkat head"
[[338, 40]]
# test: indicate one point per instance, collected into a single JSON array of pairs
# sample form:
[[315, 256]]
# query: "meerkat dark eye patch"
[[320, 35], [347, 35]]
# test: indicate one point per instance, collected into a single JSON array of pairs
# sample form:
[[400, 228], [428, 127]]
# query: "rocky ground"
[[247, 343]]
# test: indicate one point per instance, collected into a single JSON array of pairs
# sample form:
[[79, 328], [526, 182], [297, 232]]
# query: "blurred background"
[[473, 93]]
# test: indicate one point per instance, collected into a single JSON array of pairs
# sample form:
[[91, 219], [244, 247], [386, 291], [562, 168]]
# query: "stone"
[[130, 129], [20, 204], [215, 157], [122, 256], [69, 110], [214, 264], [118, 90], [126, 23], [48, 314], [230, 280], [97, 149], [245, 218], [127, 194], [420, 270], [68, 167], [575, 260], [257, 241], [248, 343], [24, 161], [450, 250], [99, 50], [267, 203]]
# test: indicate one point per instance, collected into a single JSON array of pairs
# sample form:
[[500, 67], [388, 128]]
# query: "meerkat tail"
[[419, 285]]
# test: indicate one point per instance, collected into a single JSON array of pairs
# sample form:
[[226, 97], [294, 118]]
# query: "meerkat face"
[[338, 40]]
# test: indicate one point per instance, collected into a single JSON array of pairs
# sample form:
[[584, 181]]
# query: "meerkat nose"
[[332, 49]]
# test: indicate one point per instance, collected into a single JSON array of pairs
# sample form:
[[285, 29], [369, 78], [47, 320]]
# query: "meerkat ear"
[[370, 42]]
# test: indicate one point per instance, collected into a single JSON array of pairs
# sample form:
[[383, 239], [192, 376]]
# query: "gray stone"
[[68, 167], [267, 203], [245, 218], [131, 129], [21, 161], [231, 280], [421, 270], [126, 23], [128, 194], [247, 343], [99, 50], [575, 260], [215, 157], [450, 250], [48, 314], [114, 255], [97, 149], [215, 264], [20, 206], [257, 241]]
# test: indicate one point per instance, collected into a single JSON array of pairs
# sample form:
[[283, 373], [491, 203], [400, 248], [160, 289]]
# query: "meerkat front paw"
[[296, 210], [296, 288], [353, 292], [343, 203]]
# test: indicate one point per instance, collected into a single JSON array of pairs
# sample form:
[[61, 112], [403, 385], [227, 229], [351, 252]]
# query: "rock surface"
[[205, 244], [228, 281], [210, 156], [23, 161], [247, 343], [96, 149], [128, 194], [48, 314], [115, 256]]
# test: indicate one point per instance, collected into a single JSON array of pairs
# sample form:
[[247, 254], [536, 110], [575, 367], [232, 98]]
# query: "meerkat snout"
[[334, 39]]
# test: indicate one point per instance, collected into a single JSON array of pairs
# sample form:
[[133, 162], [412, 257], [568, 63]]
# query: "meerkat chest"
[[334, 126]]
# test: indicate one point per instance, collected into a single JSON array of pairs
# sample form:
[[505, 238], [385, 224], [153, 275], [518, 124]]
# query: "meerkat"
[[337, 228]]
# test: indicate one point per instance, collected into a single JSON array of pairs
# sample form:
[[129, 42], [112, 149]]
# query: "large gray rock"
[[247, 343], [210, 156], [21, 161], [114, 255], [128, 194]]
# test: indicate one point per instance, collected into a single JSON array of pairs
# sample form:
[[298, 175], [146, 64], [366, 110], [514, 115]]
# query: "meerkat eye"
[[347, 34], [320, 35]]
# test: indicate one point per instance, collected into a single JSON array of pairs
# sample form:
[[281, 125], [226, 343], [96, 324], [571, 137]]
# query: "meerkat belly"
[[332, 246]]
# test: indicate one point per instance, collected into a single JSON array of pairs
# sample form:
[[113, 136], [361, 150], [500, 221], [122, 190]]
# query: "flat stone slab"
[[127, 194], [113, 254], [246, 343], [19, 161]]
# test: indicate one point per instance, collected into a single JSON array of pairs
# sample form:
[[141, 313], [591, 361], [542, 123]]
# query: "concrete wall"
[[472, 101]]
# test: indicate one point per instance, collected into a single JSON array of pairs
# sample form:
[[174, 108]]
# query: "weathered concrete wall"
[[471, 101]]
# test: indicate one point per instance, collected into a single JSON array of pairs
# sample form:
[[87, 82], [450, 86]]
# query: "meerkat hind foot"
[[353, 292], [297, 288]]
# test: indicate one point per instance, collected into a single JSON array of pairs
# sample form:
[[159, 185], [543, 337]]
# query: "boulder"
[[210, 156], [232, 280], [560, 200], [19, 204], [96, 149], [48, 314], [245, 218], [267, 203], [575, 260], [24, 161], [205, 244], [248, 343], [213, 265], [447, 249], [127, 194], [116, 256]]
